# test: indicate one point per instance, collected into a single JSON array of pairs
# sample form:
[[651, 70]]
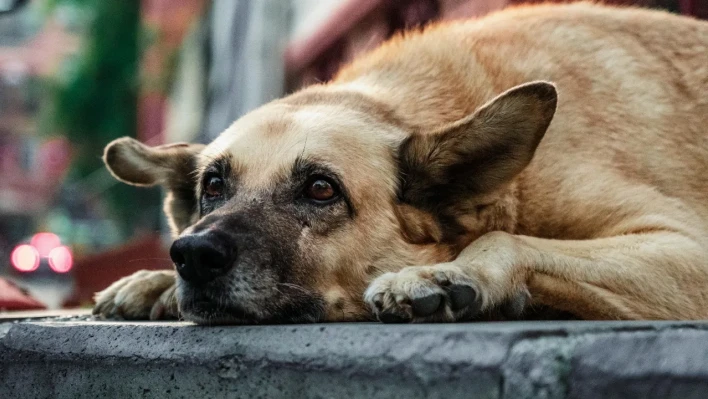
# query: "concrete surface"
[[71, 358]]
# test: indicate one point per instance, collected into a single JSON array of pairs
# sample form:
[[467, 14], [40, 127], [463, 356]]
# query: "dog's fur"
[[459, 199]]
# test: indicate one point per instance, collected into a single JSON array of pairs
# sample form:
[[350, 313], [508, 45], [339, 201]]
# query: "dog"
[[542, 158]]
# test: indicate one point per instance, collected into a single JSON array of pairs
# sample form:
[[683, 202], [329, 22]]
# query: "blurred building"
[[30, 168], [230, 63]]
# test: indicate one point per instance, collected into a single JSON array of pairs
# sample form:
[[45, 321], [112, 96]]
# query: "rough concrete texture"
[[75, 359]]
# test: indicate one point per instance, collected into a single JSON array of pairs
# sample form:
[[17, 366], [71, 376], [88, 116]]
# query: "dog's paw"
[[144, 295], [424, 294], [439, 293]]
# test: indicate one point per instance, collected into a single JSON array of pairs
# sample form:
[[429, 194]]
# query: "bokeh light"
[[25, 258], [60, 259], [45, 243]]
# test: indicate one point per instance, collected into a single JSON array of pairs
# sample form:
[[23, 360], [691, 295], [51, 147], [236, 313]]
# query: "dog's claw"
[[515, 308], [461, 296], [393, 317], [379, 301], [426, 305]]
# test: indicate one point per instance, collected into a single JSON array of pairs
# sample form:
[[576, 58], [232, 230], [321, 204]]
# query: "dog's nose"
[[201, 258]]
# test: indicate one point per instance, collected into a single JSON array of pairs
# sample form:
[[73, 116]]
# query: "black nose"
[[201, 258]]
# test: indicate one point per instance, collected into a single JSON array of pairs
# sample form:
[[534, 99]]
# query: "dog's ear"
[[132, 162], [477, 154], [170, 165]]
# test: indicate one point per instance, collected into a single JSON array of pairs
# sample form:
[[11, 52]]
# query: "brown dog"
[[435, 180]]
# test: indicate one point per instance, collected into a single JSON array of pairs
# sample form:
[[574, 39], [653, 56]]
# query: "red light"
[[60, 259], [45, 242], [25, 258]]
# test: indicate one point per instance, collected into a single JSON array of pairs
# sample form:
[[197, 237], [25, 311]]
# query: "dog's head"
[[295, 208]]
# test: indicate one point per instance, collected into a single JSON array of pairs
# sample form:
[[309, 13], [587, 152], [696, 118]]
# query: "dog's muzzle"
[[237, 278]]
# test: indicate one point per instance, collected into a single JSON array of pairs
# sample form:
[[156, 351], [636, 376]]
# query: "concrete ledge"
[[88, 359]]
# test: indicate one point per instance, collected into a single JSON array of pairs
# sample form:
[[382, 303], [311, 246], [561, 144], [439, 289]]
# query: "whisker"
[[294, 286], [144, 259]]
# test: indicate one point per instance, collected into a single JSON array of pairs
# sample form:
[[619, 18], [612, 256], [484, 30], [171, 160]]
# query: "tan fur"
[[142, 295], [609, 220]]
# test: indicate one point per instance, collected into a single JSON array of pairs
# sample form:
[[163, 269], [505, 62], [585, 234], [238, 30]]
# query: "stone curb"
[[88, 359]]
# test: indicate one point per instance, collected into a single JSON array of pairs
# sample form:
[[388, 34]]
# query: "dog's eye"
[[321, 190], [214, 186]]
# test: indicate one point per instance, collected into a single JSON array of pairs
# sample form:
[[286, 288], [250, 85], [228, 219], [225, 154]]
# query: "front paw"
[[144, 295], [444, 293], [424, 294]]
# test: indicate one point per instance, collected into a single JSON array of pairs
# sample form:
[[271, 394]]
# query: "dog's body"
[[609, 220]]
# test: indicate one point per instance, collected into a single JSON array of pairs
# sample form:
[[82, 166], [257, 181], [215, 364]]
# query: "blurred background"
[[76, 74]]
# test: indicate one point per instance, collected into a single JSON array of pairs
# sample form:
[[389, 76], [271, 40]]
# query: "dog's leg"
[[144, 295], [653, 275]]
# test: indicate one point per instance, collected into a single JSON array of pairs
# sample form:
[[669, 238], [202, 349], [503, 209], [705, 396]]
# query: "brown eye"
[[214, 186], [321, 190]]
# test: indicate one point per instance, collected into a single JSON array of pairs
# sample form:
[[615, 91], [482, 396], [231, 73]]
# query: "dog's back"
[[628, 143]]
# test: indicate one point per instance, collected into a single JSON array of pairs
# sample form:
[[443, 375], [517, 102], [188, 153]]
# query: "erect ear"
[[479, 153], [170, 165]]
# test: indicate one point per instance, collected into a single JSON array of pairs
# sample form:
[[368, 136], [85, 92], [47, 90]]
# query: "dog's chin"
[[203, 310], [208, 313]]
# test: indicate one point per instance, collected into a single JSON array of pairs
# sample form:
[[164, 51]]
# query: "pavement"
[[77, 357]]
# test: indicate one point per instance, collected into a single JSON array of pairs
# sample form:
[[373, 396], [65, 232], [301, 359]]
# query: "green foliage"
[[95, 100], [98, 102]]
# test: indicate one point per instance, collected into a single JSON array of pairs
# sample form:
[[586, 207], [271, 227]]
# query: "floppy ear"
[[132, 162], [170, 165], [479, 153]]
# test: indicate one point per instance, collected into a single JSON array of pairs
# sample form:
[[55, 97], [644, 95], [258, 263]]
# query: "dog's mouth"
[[202, 308], [203, 311]]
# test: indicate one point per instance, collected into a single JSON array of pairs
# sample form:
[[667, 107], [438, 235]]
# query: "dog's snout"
[[200, 258]]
